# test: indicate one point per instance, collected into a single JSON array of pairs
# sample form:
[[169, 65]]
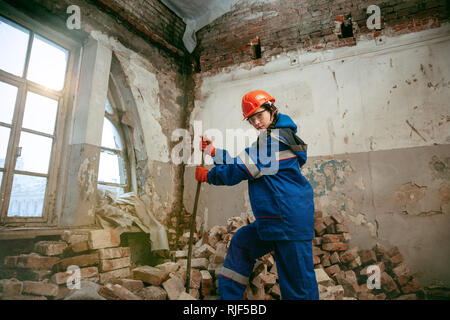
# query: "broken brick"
[[114, 264], [32, 261], [332, 270], [328, 238], [411, 286], [50, 248], [117, 292], [367, 257], [99, 239], [341, 228], [151, 275], [80, 261], [206, 284], [337, 218], [335, 246], [113, 253], [105, 277], [153, 293], [85, 273], [334, 258], [174, 287], [40, 288]]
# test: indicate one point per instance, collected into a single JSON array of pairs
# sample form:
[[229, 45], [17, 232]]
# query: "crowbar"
[[191, 232]]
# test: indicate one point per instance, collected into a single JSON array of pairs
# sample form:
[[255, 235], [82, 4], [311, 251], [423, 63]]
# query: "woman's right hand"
[[207, 146]]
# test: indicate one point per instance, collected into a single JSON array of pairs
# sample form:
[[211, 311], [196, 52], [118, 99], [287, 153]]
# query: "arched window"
[[114, 169]]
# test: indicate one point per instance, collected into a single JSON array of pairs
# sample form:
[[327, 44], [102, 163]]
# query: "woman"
[[281, 200]]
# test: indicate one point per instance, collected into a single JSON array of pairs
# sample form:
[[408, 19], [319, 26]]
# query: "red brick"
[[387, 283], [108, 276], [40, 288], [341, 228], [151, 275], [349, 255], [113, 253], [335, 246], [331, 229], [337, 218], [320, 229], [332, 270], [99, 239], [328, 221], [80, 261], [316, 260], [334, 258], [207, 283], [397, 259], [368, 257], [35, 262], [50, 248], [114, 264], [117, 292], [412, 286], [85, 273], [327, 238]]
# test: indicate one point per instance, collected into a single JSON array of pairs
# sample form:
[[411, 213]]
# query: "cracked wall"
[[376, 123]]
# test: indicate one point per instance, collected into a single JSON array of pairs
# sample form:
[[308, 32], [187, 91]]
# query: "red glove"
[[201, 174], [207, 145]]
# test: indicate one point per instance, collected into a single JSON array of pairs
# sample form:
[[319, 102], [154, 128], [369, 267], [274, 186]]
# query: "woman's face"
[[261, 119]]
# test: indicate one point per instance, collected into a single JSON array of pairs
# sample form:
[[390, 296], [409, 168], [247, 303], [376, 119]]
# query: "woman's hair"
[[273, 110]]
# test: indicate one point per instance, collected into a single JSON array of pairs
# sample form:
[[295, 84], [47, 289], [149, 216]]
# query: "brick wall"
[[286, 25], [156, 17]]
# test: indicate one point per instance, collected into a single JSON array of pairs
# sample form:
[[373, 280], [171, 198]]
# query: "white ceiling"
[[197, 14]]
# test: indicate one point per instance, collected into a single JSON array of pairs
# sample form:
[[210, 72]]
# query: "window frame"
[[65, 100], [115, 119]]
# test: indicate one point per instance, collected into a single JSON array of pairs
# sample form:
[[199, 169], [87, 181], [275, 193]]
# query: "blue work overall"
[[282, 203]]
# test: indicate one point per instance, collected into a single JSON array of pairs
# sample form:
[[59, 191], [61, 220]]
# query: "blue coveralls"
[[282, 203]]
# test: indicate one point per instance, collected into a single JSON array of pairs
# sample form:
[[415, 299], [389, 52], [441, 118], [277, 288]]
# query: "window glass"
[[8, 95], [111, 168], [27, 196], [14, 44], [40, 113], [4, 138], [110, 136], [35, 153], [108, 107], [48, 63]]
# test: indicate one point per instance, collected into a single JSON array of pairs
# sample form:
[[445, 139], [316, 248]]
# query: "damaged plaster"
[[87, 180], [145, 88]]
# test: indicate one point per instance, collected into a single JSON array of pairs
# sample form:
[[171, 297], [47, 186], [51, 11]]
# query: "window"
[[113, 168], [33, 73]]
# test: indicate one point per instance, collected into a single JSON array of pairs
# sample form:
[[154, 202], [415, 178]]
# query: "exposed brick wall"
[[156, 17], [286, 25]]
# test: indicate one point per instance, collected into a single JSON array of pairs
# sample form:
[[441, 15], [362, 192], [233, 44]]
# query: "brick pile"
[[44, 273], [348, 267], [341, 271]]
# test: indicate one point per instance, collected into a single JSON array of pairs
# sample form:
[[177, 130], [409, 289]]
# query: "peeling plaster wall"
[[154, 77], [158, 177], [376, 120]]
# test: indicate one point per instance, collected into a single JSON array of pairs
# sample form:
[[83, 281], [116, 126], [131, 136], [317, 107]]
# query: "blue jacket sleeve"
[[228, 171]]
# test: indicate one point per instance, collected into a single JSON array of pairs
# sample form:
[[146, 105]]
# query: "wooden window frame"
[[126, 151], [65, 100]]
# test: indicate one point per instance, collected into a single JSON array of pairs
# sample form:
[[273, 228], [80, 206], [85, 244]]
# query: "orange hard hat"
[[252, 100]]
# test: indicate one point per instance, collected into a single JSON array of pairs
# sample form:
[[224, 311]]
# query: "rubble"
[[107, 272]]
